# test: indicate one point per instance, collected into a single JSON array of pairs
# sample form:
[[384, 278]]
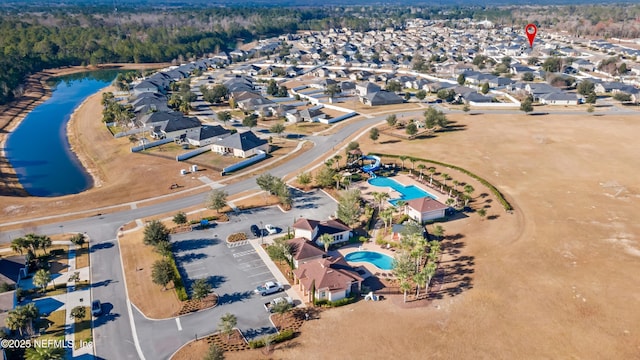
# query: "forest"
[[36, 36]]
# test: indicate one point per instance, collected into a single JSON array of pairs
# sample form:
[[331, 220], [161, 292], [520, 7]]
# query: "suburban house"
[[304, 251], [312, 229], [366, 87], [558, 98], [169, 124], [381, 98], [207, 135], [424, 209], [242, 145], [332, 278], [10, 267]]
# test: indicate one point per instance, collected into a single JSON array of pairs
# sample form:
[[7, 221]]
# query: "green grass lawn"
[[82, 329]]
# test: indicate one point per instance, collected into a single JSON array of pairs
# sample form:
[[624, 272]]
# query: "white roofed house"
[[242, 145]]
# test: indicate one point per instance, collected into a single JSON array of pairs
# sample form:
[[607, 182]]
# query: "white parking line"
[[178, 323], [262, 273], [244, 253]]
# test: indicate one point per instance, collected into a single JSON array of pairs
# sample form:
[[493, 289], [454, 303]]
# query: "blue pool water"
[[381, 261], [38, 149], [407, 192]]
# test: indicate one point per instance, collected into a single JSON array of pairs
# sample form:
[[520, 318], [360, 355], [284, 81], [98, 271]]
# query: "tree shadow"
[[103, 283], [493, 217], [193, 244], [191, 257], [234, 297], [216, 280], [105, 245], [393, 141]]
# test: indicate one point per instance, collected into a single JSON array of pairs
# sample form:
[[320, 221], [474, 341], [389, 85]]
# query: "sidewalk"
[[69, 300], [291, 292]]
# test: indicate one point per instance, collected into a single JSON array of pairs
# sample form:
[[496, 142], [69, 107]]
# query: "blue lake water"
[[38, 149]]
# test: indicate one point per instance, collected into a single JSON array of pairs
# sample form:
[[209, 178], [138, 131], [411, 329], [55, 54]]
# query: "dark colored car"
[[255, 230], [96, 308]]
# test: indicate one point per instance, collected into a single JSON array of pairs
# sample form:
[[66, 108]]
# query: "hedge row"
[[284, 335], [484, 182], [177, 281], [337, 303]]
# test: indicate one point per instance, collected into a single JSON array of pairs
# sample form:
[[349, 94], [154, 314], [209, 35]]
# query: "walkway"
[[71, 299]]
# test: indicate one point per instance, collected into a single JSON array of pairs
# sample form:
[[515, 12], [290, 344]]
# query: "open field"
[[551, 280]]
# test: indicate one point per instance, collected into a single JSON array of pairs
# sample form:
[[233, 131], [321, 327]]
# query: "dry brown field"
[[555, 279]]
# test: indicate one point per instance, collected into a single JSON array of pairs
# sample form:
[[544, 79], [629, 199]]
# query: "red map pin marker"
[[531, 30]]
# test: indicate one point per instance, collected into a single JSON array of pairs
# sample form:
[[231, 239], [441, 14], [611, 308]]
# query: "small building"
[[242, 145], [558, 98], [313, 229], [332, 278], [304, 251], [424, 209]]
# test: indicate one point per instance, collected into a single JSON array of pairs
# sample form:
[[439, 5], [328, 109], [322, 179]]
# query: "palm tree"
[[445, 177], [482, 213], [19, 245], [386, 216], [400, 204], [44, 353], [421, 167], [337, 159], [430, 271], [326, 240], [42, 278], [455, 185], [432, 170], [413, 163], [449, 201], [45, 242], [420, 278], [329, 163], [405, 286], [382, 197], [403, 158], [438, 231], [469, 190]]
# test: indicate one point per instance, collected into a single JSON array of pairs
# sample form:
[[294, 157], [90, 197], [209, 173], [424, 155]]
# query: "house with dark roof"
[[313, 229], [242, 145], [366, 87], [332, 278], [207, 135], [424, 209], [381, 98], [558, 98], [176, 127], [304, 251]]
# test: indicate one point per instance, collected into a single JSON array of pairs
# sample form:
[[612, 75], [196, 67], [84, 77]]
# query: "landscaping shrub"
[[403, 218], [337, 303], [484, 182], [284, 335], [177, 281], [4, 287], [237, 237]]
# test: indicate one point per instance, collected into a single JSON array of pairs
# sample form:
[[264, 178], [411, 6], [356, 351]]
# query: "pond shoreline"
[[36, 92]]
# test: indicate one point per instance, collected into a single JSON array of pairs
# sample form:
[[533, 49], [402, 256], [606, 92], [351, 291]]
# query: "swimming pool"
[[407, 192], [381, 261]]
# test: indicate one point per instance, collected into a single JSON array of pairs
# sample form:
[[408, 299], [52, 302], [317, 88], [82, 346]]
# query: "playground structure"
[[356, 159]]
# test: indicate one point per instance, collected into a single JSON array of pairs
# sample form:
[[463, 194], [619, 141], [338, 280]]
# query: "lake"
[[38, 149]]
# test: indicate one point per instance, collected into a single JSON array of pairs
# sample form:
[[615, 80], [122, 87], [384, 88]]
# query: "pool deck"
[[367, 189]]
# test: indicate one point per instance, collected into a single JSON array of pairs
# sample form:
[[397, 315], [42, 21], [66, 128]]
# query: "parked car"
[[96, 308], [271, 229], [269, 306], [255, 230], [269, 287]]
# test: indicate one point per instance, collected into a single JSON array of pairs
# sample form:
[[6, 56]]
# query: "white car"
[[271, 229]]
